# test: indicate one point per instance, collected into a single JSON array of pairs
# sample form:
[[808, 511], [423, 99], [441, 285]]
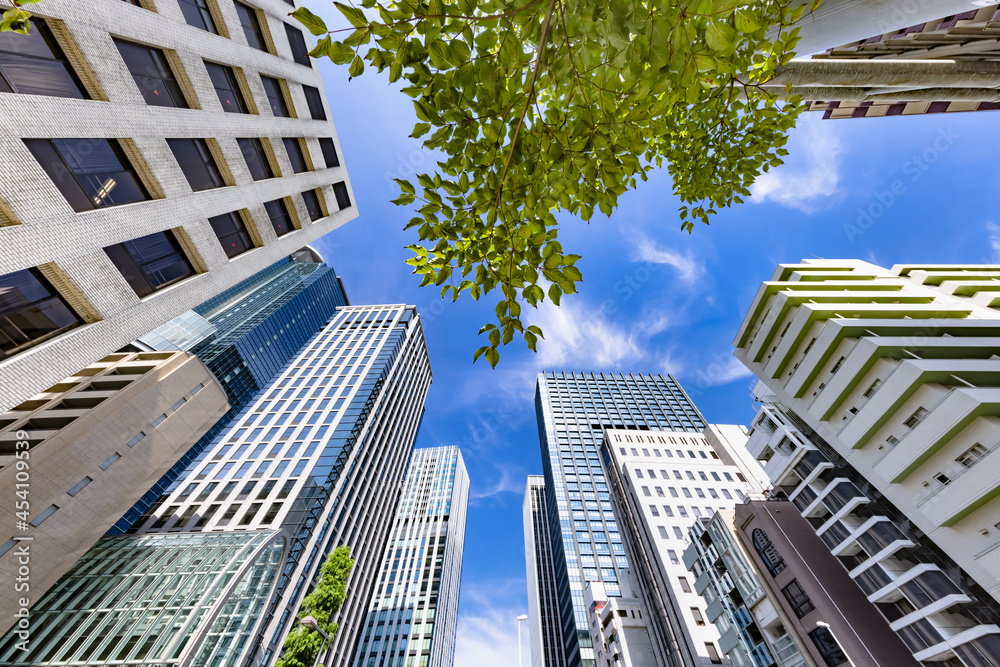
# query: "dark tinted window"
[[343, 198], [90, 173], [232, 233], [152, 74], [251, 26], [278, 213], [30, 311], [253, 153], [828, 647], [197, 13], [197, 163], [274, 96], [226, 86], [798, 599], [150, 263], [329, 152], [300, 52], [33, 64], [312, 204], [294, 149], [315, 101]]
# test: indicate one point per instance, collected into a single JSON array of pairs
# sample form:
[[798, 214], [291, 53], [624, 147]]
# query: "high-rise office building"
[[573, 411], [661, 482], [413, 614], [245, 336], [878, 421], [73, 456], [318, 456], [545, 626], [173, 148]]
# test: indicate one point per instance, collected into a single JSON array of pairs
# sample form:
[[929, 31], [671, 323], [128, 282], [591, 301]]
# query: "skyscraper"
[[661, 482], [245, 336], [545, 626], [573, 411], [173, 148], [413, 614], [315, 461], [878, 421]]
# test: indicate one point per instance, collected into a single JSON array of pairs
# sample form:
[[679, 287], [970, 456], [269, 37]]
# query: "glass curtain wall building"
[[413, 615], [245, 336], [573, 411], [546, 629], [320, 456]]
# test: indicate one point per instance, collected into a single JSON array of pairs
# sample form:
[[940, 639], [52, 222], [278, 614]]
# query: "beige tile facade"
[[75, 432]]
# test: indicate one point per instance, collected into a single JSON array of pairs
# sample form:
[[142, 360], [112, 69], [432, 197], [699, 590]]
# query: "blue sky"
[[653, 299]]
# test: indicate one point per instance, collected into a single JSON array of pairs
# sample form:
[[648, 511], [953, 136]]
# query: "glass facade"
[[139, 599], [573, 410], [413, 616], [321, 454], [245, 336]]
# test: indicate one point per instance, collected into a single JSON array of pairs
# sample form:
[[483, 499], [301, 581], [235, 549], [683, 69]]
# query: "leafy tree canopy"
[[302, 643], [541, 106]]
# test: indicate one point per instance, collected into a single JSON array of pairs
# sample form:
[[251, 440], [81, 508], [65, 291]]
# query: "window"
[[90, 173], [300, 52], [973, 455], [227, 87], [76, 488], [108, 462], [232, 233], [765, 549], [872, 388], [696, 614], [45, 514], [943, 479], [251, 26], [275, 96], [197, 163], [150, 263], [311, 198], [34, 64], [295, 155], [257, 162], [31, 311], [685, 586], [340, 192], [654, 511], [672, 555], [278, 213], [645, 491], [678, 533], [713, 653], [331, 159], [828, 647], [663, 533], [836, 366], [152, 74], [797, 598], [315, 101], [916, 418], [197, 14]]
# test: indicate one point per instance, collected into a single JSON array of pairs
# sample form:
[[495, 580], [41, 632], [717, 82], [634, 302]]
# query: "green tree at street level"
[[302, 643], [542, 106]]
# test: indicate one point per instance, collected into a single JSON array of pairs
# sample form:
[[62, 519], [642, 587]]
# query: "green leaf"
[[719, 35], [313, 23], [357, 66], [355, 16]]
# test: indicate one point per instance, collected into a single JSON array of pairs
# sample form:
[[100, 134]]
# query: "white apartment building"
[[413, 614], [156, 153], [880, 422], [618, 626], [661, 482]]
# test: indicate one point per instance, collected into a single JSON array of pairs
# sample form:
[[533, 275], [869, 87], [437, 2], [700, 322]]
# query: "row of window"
[[95, 173], [200, 14], [35, 64], [687, 492]]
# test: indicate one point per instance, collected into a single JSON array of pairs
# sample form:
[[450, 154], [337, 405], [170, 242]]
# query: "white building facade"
[[878, 420], [157, 152], [413, 615], [661, 483]]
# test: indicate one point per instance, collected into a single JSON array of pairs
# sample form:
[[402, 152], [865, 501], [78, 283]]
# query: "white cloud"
[[487, 627], [811, 171], [723, 369], [578, 334], [511, 480], [994, 230], [688, 269]]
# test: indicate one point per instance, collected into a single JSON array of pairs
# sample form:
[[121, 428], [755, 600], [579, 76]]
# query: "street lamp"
[[313, 624], [522, 617], [824, 624]]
